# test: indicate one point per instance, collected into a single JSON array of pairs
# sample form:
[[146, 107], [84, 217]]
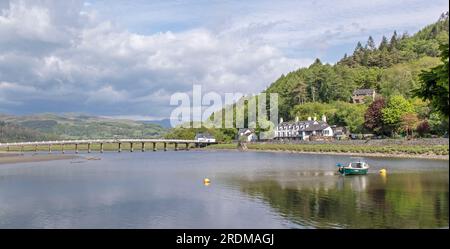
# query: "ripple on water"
[[247, 190]]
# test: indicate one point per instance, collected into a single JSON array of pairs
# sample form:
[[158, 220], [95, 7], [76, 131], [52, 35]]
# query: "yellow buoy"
[[206, 181], [383, 171]]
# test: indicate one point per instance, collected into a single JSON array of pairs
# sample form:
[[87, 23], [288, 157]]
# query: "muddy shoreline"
[[11, 157]]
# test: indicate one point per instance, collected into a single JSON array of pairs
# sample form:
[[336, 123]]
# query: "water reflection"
[[406, 200], [247, 190]]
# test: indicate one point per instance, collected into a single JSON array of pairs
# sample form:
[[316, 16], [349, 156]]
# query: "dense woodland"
[[395, 68]]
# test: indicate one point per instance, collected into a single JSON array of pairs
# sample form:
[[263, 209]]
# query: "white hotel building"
[[302, 130]]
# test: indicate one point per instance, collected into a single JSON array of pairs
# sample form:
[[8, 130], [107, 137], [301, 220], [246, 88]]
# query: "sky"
[[126, 58]]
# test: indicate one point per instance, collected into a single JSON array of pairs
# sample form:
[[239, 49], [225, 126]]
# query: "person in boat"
[[357, 165]]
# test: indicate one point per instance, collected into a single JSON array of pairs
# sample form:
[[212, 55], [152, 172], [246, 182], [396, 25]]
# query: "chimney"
[[324, 118], [309, 118], [281, 120], [296, 119]]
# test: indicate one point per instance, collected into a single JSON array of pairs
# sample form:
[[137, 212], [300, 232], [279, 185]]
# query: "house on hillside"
[[247, 135], [304, 130], [359, 95]]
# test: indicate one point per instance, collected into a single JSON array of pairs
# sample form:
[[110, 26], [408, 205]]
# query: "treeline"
[[400, 48], [16, 133], [423, 109], [394, 68], [407, 56], [221, 135], [385, 117], [47, 126]]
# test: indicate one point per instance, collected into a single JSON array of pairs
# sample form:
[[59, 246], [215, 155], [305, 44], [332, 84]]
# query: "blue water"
[[247, 190]]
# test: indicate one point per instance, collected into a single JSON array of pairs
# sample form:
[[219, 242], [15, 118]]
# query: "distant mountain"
[[163, 122], [14, 133], [79, 126]]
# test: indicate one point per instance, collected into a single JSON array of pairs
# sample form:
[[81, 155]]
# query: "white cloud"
[[9, 89], [75, 55], [111, 67]]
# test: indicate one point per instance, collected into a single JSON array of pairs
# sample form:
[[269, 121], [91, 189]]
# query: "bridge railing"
[[90, 141]]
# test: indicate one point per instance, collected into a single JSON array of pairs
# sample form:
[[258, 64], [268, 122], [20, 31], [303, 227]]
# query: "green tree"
[[313, 109], [438, 124], [435, 86], [396, 107], [383, 44], [394, 42], [350, 116], [371, 44]]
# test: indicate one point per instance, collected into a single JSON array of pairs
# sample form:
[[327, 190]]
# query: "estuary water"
[[247, 190]]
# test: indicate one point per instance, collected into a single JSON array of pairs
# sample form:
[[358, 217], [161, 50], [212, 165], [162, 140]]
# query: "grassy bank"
[[412, 150]]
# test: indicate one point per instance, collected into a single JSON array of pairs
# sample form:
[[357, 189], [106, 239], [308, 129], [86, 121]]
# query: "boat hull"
[[347, 171]]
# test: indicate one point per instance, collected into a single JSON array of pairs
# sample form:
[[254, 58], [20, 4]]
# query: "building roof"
[[203, 135], [363, 92], [242, 130], [309, 125]]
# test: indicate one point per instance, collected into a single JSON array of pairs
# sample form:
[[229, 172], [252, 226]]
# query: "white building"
[[302, 130], [248, 134], [200, 137]]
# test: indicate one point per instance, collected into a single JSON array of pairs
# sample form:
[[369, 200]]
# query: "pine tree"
[[370, 44], [405, 35], [359, 48], [317, 62], [383, 44], [394, 41]]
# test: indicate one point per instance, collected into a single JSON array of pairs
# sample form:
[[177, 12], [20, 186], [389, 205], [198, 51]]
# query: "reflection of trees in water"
[[401, 201]]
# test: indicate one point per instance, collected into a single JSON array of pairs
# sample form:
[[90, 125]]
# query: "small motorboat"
[[354, 168]]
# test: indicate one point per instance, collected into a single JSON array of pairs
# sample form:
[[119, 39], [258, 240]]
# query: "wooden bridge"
[[101, 142]]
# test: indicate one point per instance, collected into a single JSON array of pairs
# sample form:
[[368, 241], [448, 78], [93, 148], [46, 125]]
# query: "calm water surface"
[[247, 190]]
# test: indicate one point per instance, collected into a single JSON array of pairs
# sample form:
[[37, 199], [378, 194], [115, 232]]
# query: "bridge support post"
[[21, 149], [49, 148], [76, 148], [35, 148], [131, 147], [143, 147], [165, 146], [7, 148], [89, 147], [101, 147], [187, 146], [62, 148], [154, 146], [176, 146], [120, 149]]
